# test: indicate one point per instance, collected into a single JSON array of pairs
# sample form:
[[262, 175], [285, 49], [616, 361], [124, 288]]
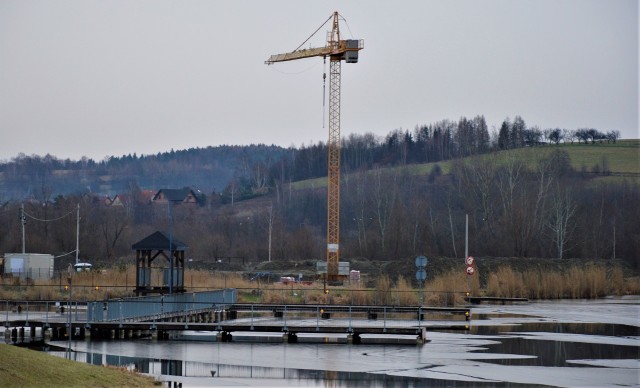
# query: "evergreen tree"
[[504, 136]]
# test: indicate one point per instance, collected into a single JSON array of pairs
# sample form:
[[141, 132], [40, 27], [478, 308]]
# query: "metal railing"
[[158, 306], [152, 307]]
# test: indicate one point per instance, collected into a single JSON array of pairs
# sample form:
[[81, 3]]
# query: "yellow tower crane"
[[337, 50]]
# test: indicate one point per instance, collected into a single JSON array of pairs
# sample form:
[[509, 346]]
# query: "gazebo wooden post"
[[138, 259]]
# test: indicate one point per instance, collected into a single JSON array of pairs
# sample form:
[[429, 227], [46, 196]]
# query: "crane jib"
[[346, 50]]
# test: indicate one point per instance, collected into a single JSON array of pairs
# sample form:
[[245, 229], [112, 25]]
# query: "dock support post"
[[354, 339], [290, 338], [384, 329], [422, 336], [223, 336]]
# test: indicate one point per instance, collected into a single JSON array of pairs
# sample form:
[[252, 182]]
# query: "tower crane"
[[337, 50]]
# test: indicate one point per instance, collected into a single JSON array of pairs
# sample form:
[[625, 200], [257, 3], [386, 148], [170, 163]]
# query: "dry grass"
[[449, 289], [405, 294], [383, 290], [588, 281], [506, 282], [360, 295]]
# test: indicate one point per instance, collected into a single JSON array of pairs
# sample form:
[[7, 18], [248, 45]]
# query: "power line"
[[45, 220], [65, 254]]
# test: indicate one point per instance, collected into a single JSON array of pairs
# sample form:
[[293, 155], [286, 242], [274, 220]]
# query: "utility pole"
[[77, 233], [170, 250], [466, 249], [270, 228], [23, 221], [70, 285], [466, 237]]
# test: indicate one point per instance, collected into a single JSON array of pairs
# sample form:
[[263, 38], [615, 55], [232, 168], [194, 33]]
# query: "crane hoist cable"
[[324, 88]]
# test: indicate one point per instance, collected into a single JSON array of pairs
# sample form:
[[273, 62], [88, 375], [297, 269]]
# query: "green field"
[[622, 159], [30, 368]]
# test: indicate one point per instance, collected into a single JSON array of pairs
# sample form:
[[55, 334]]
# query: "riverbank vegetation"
[[533, 279]]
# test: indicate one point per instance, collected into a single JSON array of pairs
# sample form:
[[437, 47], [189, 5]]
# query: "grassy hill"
[[29, 368], [621, 159]]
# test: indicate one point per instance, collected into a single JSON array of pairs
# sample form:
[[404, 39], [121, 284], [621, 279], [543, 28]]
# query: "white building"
[[29, 265]]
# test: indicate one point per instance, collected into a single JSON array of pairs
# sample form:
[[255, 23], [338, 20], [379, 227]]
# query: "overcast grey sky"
[[100, 78]]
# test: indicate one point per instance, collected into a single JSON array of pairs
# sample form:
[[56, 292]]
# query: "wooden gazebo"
[[153, 276]]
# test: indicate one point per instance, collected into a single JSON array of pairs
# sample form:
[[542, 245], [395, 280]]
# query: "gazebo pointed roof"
[[159, 241]]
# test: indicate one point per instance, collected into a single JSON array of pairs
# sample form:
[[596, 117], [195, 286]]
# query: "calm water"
[[536, 344]]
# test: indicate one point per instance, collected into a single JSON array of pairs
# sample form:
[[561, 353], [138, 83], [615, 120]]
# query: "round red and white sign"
[[470, 270], [469, 260]]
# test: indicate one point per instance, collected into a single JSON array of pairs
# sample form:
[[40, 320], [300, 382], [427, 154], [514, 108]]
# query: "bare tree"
[[569, 134], [112, 223], [453, 236], [259, 174], [477, 181], [555, 135], [561, 219], [383, 198], [612, 136]]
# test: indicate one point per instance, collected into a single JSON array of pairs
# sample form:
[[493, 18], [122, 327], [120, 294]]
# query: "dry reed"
[[588, 281], [404, 293]]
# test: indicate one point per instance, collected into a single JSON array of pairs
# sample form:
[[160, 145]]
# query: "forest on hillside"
[[540, 207], [247, 171]]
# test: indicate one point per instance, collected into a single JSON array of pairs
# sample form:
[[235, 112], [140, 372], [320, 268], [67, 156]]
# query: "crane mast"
[[337, 50]]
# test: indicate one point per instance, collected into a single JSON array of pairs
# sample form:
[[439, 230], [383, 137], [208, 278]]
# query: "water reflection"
[[325, 378], [545, 344], [555, 352], [556, 327]]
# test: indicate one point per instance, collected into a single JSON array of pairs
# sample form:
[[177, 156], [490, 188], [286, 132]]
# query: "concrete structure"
[[29, 265]]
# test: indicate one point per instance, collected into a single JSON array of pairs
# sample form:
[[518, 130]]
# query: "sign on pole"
[[421, 274], [469, 260]]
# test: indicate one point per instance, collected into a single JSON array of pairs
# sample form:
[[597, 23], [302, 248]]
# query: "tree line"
[[539, 208], [542, 208], [244, 172]]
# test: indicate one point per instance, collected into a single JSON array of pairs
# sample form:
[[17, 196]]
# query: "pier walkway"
[[218, 312]]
